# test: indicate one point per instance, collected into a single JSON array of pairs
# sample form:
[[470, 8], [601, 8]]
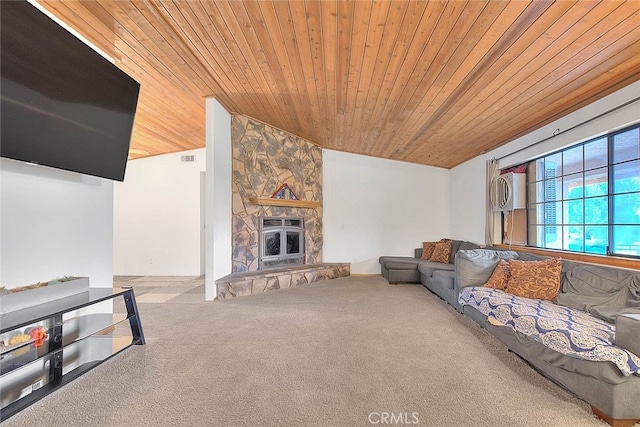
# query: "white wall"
[[157, 216], [468, 179], [375, 207], [54, 223], [468, 201]]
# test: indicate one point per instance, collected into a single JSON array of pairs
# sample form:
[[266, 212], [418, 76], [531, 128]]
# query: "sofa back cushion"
[[535, 279], [600, 290], [459, 245], [455, 247], [526, 256], [475, 266]]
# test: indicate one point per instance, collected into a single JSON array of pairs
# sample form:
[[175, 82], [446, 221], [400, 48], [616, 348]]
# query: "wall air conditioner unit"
[[508, 192]]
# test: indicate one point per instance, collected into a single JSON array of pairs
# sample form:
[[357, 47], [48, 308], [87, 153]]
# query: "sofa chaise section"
[[416, 270], [401, 269]]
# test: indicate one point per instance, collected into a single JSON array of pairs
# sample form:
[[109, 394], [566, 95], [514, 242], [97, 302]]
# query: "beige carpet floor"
[[344, 352]]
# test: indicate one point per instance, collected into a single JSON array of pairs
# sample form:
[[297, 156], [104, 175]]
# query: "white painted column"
[[218, 195]]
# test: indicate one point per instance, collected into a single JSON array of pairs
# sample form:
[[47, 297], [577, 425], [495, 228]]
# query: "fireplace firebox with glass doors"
[[281, 242]]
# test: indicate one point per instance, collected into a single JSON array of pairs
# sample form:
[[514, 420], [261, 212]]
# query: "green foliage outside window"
[[570, 203]]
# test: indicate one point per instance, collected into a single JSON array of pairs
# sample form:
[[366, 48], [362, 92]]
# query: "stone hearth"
[[253, 282]]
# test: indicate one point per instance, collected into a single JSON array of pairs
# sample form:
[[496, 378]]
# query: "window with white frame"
[[586, 198]]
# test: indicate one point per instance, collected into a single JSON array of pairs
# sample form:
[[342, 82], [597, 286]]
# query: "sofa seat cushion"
[[399, 263], [568, 331], [534, 350], [444, 277], [427, 268]]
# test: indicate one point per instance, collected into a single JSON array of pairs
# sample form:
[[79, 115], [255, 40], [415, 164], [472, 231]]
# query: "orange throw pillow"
[[427, 249], [535, 279], [500, 276], [442, 251]]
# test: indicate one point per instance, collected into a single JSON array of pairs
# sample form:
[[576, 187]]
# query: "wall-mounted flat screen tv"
[[63, 104]]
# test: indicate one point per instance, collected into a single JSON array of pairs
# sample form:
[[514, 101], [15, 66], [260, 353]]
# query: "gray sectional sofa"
[[435, 276], [612, 294], [609, 293]]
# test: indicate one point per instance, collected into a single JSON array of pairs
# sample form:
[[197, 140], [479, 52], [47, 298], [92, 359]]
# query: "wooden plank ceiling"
[[435, 83]]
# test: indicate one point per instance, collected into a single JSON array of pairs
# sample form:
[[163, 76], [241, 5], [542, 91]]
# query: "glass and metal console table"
[[49, 345]]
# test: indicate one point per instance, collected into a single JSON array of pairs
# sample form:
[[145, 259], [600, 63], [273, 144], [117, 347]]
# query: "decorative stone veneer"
[[241, 284], [264, 158]]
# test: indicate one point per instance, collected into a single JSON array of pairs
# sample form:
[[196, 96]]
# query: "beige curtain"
[[492, 171]]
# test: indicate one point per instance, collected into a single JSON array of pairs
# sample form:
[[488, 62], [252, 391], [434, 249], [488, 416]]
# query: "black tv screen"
[[63, 104]]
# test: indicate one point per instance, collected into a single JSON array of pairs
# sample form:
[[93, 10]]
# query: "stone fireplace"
[[265, 158]]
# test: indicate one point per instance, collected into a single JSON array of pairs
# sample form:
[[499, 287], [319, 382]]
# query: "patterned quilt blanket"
[[568, 331]]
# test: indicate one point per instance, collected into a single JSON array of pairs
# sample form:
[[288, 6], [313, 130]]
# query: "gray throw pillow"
[[475, 266]]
